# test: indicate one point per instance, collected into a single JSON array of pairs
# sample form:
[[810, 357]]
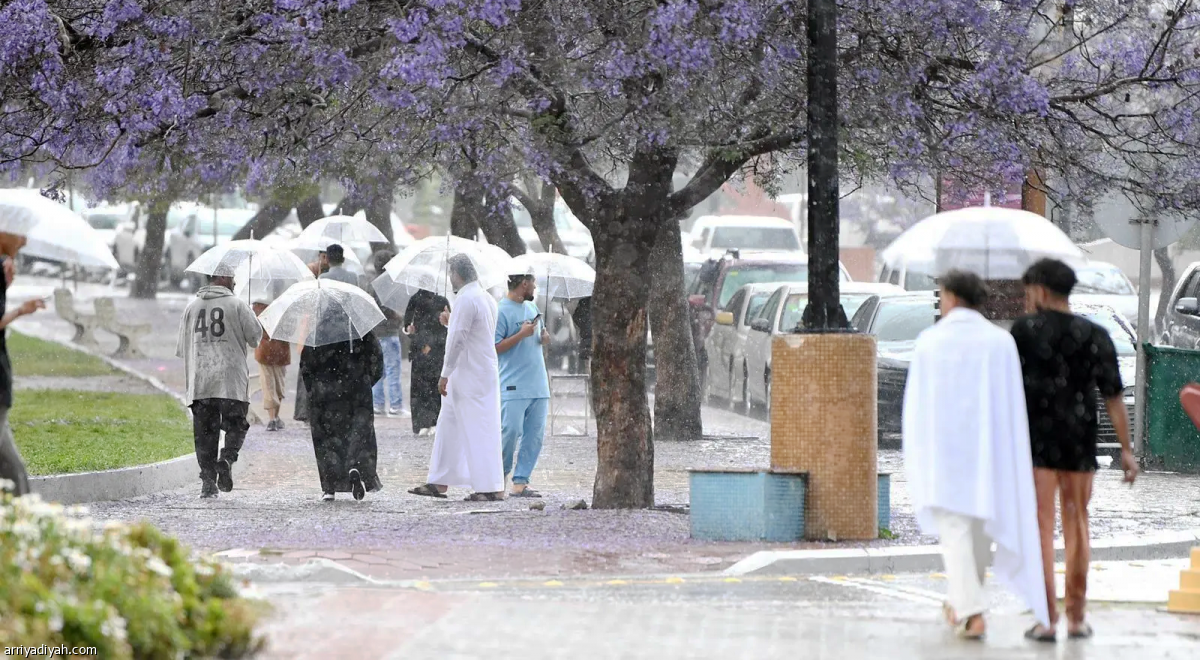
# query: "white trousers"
[[966, 553]]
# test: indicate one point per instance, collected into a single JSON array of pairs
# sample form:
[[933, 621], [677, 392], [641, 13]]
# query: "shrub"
[[130, 591]]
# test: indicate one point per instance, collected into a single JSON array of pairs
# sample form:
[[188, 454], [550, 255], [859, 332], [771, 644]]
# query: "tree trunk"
[[1167, 267], [145, 284], [500, 228], [309, 211], [468, 201], [265, 221], [350, 205], [677, 399], [824, 311], [379, 212], [542, 215], [625, 442]]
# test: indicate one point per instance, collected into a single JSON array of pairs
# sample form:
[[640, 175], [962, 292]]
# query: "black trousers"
[[209, 418]]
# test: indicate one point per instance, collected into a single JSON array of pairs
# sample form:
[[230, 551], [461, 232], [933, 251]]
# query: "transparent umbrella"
[[559, 276], [53, 231], [320, 312], [423, 266], [994, 243], [257, 267], [341, 229], [309, 254]]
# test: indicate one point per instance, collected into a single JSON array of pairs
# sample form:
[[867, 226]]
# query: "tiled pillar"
[[824, 422]]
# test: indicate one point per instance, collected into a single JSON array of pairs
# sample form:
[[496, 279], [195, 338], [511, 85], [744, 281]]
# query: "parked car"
[[719, 279], [895, 354], [1101, 283], [1180, 325], [117, 223], [725, 344], [907, 280], [781, 315], [713, 235], [194, 233]]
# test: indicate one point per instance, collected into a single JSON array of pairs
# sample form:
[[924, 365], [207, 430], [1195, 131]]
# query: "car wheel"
[[732, 402], [745, 403], [767, 392]]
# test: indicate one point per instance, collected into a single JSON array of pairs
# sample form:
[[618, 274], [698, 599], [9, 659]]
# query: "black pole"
[[824, 311]]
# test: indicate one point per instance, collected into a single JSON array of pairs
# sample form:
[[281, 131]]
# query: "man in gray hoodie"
[[215, 334]]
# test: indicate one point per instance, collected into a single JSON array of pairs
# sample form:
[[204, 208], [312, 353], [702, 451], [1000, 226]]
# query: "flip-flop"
[[527, 492], [428, 490], [1084, 632], [1039, 634], [484, 497]]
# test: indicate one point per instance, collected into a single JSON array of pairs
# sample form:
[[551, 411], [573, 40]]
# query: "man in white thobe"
[[967, 456], [466, 446]]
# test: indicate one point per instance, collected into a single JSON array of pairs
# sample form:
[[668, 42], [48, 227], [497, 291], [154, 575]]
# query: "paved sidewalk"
[[275, 506]]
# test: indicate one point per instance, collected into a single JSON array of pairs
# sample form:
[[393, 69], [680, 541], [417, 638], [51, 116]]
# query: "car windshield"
[[755, 306], [754, 238], [793, 309], [104, 220], [919, 282], [1103, 281], [737, 278], [902, 320], [1120, 336]]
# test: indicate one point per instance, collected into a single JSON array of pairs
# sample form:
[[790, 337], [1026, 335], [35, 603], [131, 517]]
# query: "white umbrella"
[[423, 266], [561, 276], [21, 209], [995, 243], [53, 231], [258, 268], [320, 312], [341, 229]]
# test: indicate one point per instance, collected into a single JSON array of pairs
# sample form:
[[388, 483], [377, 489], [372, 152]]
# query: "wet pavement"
[[449, 579]]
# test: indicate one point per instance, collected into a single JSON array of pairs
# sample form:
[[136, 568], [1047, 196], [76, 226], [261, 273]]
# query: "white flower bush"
[[128, 590]]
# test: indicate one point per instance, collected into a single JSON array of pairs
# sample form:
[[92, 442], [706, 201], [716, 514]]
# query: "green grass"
[[60, 431], [36, 357]]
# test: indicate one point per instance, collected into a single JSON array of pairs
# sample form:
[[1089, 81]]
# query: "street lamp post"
[[824, 311]]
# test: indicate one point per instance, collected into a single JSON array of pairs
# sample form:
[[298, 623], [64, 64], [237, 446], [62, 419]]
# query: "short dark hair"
[[1054, 275], [515, 281], [381, 259], [461, 265], [335, 254], [966, 286]]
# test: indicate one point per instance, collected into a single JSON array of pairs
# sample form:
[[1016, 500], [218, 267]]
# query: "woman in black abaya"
[[426, 350], [339, 377]]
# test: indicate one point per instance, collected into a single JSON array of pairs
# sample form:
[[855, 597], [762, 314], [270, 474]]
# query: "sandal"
[[1038, 633], [527, 492], [428, 490], [948, 612], [1083, 632], [484, 497]]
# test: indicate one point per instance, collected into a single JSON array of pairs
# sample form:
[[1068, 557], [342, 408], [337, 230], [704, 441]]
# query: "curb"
[[118, 484], [887, 561], [121, 483]]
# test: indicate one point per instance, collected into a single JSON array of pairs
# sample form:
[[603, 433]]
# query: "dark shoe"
[[224, 475], [208, 490], [356, 485], [279, 425]]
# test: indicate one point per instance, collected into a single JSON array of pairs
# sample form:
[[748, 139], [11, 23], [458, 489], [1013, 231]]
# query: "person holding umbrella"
[[215, 333], [12, 466]]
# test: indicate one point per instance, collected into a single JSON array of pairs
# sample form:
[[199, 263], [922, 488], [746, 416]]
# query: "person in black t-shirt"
[[1065, 360], [12, 467]]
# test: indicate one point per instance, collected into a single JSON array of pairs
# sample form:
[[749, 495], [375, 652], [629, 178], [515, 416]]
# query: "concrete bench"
[[64, 306], [106, 313]]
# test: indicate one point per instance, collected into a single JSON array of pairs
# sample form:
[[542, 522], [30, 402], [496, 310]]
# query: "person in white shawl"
[[967, 456], [466, 445]]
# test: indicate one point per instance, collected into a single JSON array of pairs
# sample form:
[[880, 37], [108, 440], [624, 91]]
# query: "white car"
[[725, 345], [195, 229], [781, 315], [714, 235], [1101, 283], [116, 223]]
